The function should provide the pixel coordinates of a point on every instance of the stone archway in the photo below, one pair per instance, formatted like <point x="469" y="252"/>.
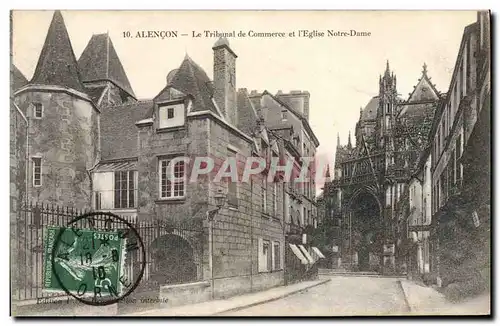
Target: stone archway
<point x="366" y="230"/>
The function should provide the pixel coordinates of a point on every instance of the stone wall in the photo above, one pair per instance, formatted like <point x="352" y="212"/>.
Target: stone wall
<point x="66" y="138"/>
<point x="237" y="229"/>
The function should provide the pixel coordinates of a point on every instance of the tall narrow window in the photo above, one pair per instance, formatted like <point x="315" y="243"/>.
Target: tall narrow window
<point x="124" y="189"/>
<point x="38" y="110"/>
<point x="37" y="171"/>
<point x="172" y="187"/>
<point x="170" y="113"/>
<point x="265" y="259"/>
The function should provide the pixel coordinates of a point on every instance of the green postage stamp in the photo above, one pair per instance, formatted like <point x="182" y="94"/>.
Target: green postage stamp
<point x="84" y="262"/>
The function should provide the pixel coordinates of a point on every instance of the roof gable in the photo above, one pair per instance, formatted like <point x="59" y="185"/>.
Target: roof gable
<point x="247" y="115"/>
<point x="424" y="90"/>
<point x="99" y="61"/>
<point x="57" y="63"/>
<point x="420" y="100"/>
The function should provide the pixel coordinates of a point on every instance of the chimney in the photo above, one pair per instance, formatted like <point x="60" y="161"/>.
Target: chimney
<point x="225" y="79"/>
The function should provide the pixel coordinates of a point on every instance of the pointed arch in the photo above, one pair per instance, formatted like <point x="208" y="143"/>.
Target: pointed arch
<point x="370" y="189"/>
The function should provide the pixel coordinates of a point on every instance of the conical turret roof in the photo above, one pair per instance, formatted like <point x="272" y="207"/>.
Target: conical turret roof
<point x="57" y="63"/>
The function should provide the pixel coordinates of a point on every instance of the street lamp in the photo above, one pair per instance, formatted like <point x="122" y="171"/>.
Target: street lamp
<point x="220" y="199"/>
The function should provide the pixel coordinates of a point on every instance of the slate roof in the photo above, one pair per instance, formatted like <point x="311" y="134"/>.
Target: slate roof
<point x="247" y="115"/>
<point x="118" y="129"/>
<point x="57" y="63"/>
<point x="95" y="93"/>
<point x="341" y="154"/>
<point x="99" y="61"/>
<point x="370" y="110"/>
<point x="17" y="78"/>
<point x="192" y="80"/>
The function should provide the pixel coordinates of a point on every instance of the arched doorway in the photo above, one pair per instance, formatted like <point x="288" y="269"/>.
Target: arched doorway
<point x="173" y="260"/>
<point x="366" y="231"/>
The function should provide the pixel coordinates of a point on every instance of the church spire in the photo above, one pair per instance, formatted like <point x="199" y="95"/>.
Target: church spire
<point x="387" y="70"/>
<point x="327" y="174"/>
<point x="424" y="69"/>
<point x="338" y="139"/>
<point x="349" y="144"/>
<point x="57" y="63"/>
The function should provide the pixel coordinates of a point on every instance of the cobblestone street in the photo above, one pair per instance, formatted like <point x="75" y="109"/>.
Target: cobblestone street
<point x="340" y="297"/>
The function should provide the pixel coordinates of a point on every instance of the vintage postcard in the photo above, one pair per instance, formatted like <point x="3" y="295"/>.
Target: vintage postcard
<point x="250" y="163"/>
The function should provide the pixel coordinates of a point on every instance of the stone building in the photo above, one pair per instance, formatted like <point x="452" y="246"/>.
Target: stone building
<point x="286" y="115"/>
<point x="370" y="177"/>
<point x="447" y="205"/>
<point x="460" y="166"/>
<point x="92" y="144"/>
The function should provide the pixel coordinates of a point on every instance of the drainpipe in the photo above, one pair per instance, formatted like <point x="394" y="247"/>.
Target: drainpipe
<point x="285" y="282"/>
<point x="27" y="151"/>
<point x="211" y="250"/>
<point x="251" y="237"/>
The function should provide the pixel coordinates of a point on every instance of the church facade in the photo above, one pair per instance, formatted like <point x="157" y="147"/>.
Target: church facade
<point x="371" y="175"/>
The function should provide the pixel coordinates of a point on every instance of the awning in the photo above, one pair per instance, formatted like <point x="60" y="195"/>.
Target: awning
<point x="306" y="253"/>
<point x="298" y="253"/>
<point x="116" y="166"/>
<point x="318" y="252"/>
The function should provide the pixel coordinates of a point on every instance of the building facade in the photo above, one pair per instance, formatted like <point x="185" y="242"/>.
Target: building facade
<point x="92" y="145"/>
<point x="447" y="208"/>
<point x="461" y="191"/>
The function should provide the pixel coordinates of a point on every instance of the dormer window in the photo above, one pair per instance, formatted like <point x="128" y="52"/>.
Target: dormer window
<point x="171" y="115"/>
<point x="37" y="110"/>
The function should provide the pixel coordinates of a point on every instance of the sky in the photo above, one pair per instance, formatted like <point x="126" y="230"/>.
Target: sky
<point x="340" y="73"/>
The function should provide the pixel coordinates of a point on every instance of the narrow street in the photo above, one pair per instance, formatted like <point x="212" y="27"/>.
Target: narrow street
<point x="342" y="296"/>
